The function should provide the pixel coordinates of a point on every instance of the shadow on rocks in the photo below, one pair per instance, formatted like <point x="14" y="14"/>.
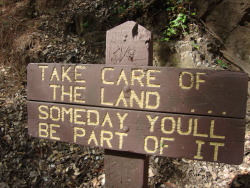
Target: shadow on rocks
<point x="241" y="181"/>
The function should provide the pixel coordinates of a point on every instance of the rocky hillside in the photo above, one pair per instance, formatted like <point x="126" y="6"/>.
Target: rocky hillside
<point x="210" y="34"/>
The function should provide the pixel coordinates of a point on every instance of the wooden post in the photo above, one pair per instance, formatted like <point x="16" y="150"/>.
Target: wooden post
<point x="127" y="44"/>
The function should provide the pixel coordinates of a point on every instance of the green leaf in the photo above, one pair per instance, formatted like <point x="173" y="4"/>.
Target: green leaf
<point x="184" y="26"/>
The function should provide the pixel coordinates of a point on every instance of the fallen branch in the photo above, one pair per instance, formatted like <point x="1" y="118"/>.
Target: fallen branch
<point x="237" y="62"/>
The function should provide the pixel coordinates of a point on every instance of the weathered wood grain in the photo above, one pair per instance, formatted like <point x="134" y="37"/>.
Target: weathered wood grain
<point x="129" y="44"/>
<point x="125" y="169"/>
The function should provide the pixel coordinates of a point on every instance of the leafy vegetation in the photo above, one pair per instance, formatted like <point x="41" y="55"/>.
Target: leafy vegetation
<point x="180" y="14"/>
<point x="195" y="46"/>
<point x="221" y="63"/>
<point x="85" y="24"/>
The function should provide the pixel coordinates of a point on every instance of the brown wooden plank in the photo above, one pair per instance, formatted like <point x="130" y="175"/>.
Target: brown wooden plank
<point x="126" y="169"/>
<point x="189" y="91"/>
<point x="171" y="135"/>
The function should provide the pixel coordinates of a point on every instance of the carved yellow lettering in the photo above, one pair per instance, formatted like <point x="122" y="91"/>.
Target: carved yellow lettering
<point x="121" y="135"/>
<point x="52" y="131"/>
<point x="198" y="155"/>
<point x="54" y="90"/>
<point x="162" y="145"/>
<point x="179" y="127"/>
<point x="137" y="77"/>
<point x="152" y="122"/>
<point x="47" y="130"/>
<point x="216" y="149"/>
<point x="122" y="99"/>
<point x="107" y="120"/>
<point x="155" y="143"/>
<point x="43" y="67"/>
<point x="43" y="130"/>
<point x="196" y="130"/>
<point x="151" y="78"/>
<point x="67" y="93"/>
<point x="93" y="138"/>
<point x="54" y="75"/>
<point x="172" y="125"/>
<point x="67" y="112"/>
<point x="134" y="97"/>
<point x="78" y="74"/>
<point x="78" y="132"/>
<point x="55" y="113"/>
<point x="65" y="74"/>
<point x="104" y="81"/>
<point x="199" y="80"/>
<point x="121" y="118"/>
<point x="123" y="77"/>
<point x="93" y="121"/>
<point x="102" y="99"/>
<point x="79" y="94"/>
<point x="106" y="136"/>
<point x="212" y="135"/>
<point x="191" y="80"/>
<point x="43" y="112"/>
<point x="78" y="116"/>
<point x="156" y="96"/>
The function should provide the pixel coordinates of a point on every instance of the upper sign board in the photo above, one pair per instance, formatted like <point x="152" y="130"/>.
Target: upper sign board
<point x="159" y="89"/>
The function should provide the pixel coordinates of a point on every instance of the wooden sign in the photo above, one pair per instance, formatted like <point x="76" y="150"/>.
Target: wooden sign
<point x="173" y="90"/>
<point x="192" y="113"/>
<point x="197" y="103"/>
<point x="171" y="135"/>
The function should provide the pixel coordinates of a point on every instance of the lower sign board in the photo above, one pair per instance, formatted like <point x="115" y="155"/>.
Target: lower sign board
<point x="206" y="138"/>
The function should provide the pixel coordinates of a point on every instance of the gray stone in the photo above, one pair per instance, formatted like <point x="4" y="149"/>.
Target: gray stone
<point x="226" y="16"/>
<point x="238" y="43"/>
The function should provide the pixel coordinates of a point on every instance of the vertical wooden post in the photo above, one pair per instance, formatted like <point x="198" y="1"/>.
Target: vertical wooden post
<point x="127" y="44"/>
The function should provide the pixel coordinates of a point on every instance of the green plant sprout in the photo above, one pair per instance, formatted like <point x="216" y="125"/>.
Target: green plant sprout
<point x="121" y="9"/>
<point x="180" y="15"/>
<point x="175" y="25"/>
<point x="85" y="24"/>
<point x="221" y="63"/>
<point x="195" y="46"/>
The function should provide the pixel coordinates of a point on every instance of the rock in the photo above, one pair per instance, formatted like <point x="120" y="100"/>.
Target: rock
<point x="238" y="43"/>
<point x="187" y="60"/>
<point x="162" y="54"/>
<point x="203" y="7"/>
<point x="150" y="173"/>
<point x="226" y="16"/>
